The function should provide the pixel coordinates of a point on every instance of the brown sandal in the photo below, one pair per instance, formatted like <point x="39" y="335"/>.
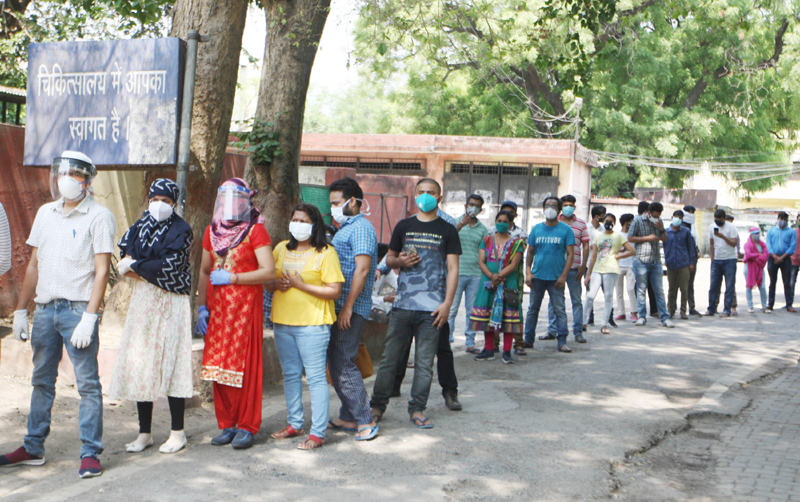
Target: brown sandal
<point x="288" y="432"/>
<point x="314" y="440"/>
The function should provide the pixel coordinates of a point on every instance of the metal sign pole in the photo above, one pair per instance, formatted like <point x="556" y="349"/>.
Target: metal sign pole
<point x="185" y="140"/>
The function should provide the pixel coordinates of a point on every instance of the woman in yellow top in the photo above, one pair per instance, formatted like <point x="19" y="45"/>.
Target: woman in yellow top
<point x="309" y="280"/>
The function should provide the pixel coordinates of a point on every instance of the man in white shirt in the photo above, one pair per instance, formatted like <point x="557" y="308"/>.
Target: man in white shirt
<point x="724" y="239"/>
<point x="72" y="240"/>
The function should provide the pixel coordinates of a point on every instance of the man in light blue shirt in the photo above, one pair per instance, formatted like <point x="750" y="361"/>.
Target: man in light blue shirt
<point x="781" y="244"/>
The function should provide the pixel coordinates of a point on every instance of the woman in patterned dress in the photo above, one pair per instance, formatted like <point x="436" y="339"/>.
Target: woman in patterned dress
<point x="230" y="311"/>
<point x="155" y="353"/>
<point x="498" y="305"/>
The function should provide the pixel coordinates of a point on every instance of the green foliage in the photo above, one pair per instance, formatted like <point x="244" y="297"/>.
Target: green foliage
<point x="260" y="140"/>
<point x="55" y="21"/>
<point x="659" y="78"/>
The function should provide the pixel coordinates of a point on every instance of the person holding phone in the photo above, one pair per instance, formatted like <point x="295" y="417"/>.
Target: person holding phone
<point x="498" y="305"/>
<point x="724" y="240"/>
<point x="426" y="249"/>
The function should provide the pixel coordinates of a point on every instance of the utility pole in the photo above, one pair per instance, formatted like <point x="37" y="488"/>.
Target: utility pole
<point x="185" y="139"/>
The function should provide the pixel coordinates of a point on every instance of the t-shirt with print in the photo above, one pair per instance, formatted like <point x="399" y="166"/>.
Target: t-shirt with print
<point x="607" y="248"/>
<point x="722" y="251"/>
<point x="550" y="247"/>
<point x="424" y="286"/>
<point x="581" y="231"/>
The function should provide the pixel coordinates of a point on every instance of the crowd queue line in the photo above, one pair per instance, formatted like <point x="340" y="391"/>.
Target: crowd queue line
<point x="322" y="286"/>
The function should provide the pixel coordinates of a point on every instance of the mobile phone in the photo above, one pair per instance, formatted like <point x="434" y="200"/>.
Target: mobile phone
<point x="487" y="284"/>
<point x="409" y="249"/>
<point x="716" y="230"/>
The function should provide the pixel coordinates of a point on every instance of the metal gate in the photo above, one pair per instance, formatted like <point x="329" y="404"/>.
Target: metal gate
<point x="526" y="184"/>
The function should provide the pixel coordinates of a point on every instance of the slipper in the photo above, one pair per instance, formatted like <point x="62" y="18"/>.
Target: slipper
<point x="547" y="337"/>
<point x="519" y="351"/>
<point x="318" y="442"/>
<point x="420" y="423"/>
<point x="604" y="330"/>
<point x="289" y="431"/>
<point x="473" y="350"/>
<point x="371" y="435"/>
<point x="564" y="348"/>
<point x="332" y="425"/>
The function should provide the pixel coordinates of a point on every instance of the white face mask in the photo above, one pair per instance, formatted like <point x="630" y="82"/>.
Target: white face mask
<point x="160" y="210"/>
<point x="337" y="213"/>
<point x="300" y="231"/>
<point x="689" y="218"/>
<point x="69" y="188"/>
<point x="550" y="213"/>
<point x="653" y="220"/>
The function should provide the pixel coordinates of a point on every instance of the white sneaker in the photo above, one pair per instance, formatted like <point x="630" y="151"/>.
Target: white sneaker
<point x="143" y="441"/>
<point x="641" y="322"/>
<point x="751" y="310"/>
<point x="668" y="324"/>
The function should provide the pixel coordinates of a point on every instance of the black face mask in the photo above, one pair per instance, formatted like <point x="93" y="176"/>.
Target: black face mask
<point x="609" y="225"/>
<point x="720" y="223"/>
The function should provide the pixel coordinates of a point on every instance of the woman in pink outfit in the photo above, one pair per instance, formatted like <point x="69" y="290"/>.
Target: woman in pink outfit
<point x="755" y="257"/>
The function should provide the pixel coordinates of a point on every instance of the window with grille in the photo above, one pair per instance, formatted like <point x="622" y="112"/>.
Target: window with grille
<point x="369" y="165"/>
<point x="516" y="169"/>
<point x="456" y="167"/>
<point x="544" y="169"/>
<point x="485" y="168"/>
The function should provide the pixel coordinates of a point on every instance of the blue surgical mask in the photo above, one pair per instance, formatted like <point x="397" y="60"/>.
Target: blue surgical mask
<point x="568" y="211"/>
<point x="501" y="227"/>
<point x="782" y="223"/>
<point x="676" y="222"/>
<point x="426" y="202"/>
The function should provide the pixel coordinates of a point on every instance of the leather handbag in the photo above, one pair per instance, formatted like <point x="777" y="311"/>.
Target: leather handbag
<point x="511" y="297"/>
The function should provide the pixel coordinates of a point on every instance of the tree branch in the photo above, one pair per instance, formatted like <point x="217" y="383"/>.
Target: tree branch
<point x="612" y="30"/>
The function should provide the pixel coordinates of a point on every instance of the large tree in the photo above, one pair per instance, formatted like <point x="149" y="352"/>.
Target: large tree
<point x="294" y="28"/>
<point x="658" y="78"/>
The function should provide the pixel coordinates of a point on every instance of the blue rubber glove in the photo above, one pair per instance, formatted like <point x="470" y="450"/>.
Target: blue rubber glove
<point x="202" y="320"/>
<point x="220" y="277"/>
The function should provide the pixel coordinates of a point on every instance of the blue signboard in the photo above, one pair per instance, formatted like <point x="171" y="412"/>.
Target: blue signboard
<point x="116" y="101"/>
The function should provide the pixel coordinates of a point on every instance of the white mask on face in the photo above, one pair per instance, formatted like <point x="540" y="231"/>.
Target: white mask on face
<point x="550" y="213"/>
<point x="653" y="220"/>
<point x="300" y="231"/>
<point x="689" y="218"/>
<point x="160" y="210"/>
<point x="70" y="188"/>
<point x="337" y="213"/>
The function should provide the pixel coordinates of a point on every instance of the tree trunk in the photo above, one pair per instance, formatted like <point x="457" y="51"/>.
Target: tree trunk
<point x="293" y="32"/>
<point x="215" y="87"/>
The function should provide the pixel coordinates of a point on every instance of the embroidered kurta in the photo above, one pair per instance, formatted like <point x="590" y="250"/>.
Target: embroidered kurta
<point x="236" y="312"/>
<point x="482" y="308"/>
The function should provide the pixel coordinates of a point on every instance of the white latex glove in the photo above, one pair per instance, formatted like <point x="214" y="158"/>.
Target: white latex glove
<point x="21" y="325"/>
<point x="124" y="265"/>
<point x="82" y="334"/>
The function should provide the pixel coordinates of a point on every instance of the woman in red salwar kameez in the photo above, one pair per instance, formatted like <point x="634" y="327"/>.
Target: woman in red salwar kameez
<point x="237" y="259"/>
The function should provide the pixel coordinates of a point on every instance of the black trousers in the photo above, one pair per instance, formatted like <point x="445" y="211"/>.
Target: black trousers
<point x="445" y="366"/>
<point x="785" y="268"/>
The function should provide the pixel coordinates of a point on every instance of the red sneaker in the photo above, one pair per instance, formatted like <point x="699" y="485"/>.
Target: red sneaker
<point x="634" y="317"/>
<point x="90" y="467"/>
<point x="20" y="457"/>
<point x="620" y="317"/>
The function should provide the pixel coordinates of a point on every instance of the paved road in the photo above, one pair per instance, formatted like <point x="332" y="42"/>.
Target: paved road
<point x="545" y="428"/>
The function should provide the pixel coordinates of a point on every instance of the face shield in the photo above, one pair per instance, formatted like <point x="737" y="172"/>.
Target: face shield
<point x="233" y="203"/>
<point x="70" y="175"/>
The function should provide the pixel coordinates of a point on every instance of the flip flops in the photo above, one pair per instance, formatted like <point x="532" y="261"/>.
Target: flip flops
<point x="332" y="425"/>
<point x="372" y="435"/>
<point x="420" y="423"/>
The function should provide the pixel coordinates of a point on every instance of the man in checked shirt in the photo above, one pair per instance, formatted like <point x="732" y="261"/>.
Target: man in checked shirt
<point x="645" y="233"/>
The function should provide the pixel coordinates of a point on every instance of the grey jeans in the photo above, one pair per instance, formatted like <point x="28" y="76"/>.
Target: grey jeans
<point x="403" y="325"/>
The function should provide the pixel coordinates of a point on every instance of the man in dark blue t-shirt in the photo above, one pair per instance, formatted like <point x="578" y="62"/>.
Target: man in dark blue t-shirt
<point x="551" y="248"/>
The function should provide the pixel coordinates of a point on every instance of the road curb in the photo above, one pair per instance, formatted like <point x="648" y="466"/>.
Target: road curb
<point x="719" y="400"/>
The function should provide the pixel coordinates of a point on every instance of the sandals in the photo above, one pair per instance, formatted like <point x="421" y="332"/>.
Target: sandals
<point x="564" y="348"/>
<point x="604" y="330"/>
<point x="332" y="425"/>
<point x="314" y="440"/>
<point x="473" y="350"/>
<point x="372" y="434"/>
<point x="547" y="337"/>
<point x="288" y="432"/>
<point x="420" y="423"/>
<point x="519" y="351"/>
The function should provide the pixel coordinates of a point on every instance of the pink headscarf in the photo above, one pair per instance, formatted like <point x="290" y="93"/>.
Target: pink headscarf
<point x="755" y="257"/>
<point x="227" y="234"/>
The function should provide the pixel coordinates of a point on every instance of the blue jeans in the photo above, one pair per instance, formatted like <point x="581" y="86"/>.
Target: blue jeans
<point x="556" y="301"/>
<point x="53" y="324"/>
<point x="403" y="326"/>
<point x="652" y="274"/>
<point x="749" y="292"/>
<point x="720" y="269"/>
<point x="575" y="287"/>
<point x="299" y="348"/>
<point x="468" y="284"/>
